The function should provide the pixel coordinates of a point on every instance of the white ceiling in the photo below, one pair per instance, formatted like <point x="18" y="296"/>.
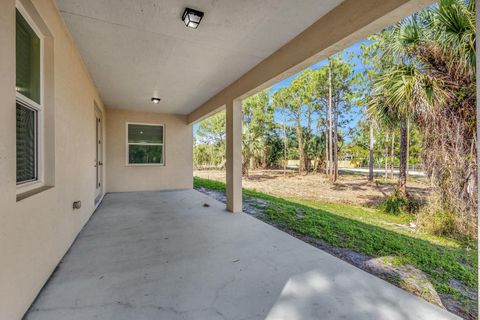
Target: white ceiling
<point x="136" y="49"/>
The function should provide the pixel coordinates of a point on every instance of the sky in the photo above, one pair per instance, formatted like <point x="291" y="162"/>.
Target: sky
<point x="353" y="50"/>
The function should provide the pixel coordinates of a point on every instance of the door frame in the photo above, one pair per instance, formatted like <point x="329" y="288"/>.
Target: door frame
<point x="99" y="161"/>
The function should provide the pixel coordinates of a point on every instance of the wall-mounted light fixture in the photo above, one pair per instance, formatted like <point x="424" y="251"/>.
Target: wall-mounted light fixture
<point x="192" y="18"/>
<point x="156" y="100"/>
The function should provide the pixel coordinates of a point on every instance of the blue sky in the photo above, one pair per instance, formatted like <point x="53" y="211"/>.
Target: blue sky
<point x="353" y="50"/>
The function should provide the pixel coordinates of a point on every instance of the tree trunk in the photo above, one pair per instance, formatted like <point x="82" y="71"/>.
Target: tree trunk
<point x="386" y="155"/>
<point x="335" y="146"/>
<point x="318" y="154"/>
<point x="246" y="164"/>
<point x="264" y="158"/>
<point x="370" y="158"/>
<point x="327" y="159"/>
<point x="393" y="154"/>
<point x="402" y="179"/>
<point x="301" y="151"/>
<point x="330" y="137"/>
<point x="306" y="157"/>
<point x="285" y="151"/>
<point x="408" y="146"/>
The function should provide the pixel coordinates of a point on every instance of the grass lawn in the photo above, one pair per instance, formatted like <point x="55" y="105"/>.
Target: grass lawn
<point x="372" y="232"/>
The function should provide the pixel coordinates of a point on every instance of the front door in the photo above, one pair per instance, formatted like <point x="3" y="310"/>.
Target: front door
<point x="98" y="155"/>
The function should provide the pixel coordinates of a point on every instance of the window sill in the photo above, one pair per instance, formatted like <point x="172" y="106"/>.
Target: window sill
<point x="145" y="165"/>
<point x="27" y="194"/>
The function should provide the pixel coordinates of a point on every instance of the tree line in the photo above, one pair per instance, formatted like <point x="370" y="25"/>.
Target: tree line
<point x="409" y="98"/>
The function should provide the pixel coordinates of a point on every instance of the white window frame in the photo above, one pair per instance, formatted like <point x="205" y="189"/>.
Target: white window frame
<point x="127" y="158"/>
<point x="39" y="112"/>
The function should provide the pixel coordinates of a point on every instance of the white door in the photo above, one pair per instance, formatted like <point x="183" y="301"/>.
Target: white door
<point x="98" y="155"/>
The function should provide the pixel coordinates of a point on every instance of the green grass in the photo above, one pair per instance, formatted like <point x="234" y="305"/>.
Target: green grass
<point x="374" y="233"/>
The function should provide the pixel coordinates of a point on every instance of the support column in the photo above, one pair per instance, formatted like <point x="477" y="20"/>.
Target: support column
<point x="234" y="156"/>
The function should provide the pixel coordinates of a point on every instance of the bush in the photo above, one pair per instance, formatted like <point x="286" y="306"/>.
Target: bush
<point x="397" y="204"/>
<point x="437" y="222"/>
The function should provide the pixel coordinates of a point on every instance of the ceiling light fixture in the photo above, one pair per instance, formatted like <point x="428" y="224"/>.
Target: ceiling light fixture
<point x="156" y="100"/>
<point x="192" y="18"/>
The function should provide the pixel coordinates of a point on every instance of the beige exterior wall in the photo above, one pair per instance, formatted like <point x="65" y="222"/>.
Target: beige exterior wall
<point x="177" y="172"/>
<point x="37" y="231"/>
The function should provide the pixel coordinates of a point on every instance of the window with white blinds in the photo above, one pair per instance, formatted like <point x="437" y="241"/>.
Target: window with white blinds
<point x="29" y="105"/>
<point x="26" y="144"/>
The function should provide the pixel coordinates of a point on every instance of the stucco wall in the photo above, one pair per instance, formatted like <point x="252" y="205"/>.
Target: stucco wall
<point x="36" y="232"/>
<point x="178" y="168"/>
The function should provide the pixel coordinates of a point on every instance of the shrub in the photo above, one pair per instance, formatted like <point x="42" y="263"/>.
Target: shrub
<point x="397" y="204"/>
<point x="437" y="221"/>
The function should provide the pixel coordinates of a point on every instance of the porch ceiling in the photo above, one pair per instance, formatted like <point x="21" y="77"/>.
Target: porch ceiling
<point x="138" y="49"/>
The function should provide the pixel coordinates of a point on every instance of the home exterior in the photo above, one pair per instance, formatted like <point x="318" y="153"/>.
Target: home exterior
<point x="73" y="131"/>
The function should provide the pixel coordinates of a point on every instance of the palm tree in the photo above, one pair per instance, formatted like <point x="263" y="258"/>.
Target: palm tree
<point x="404" y="88"/>
<point x="428" y="77"/>
<point x="398" y="94"/>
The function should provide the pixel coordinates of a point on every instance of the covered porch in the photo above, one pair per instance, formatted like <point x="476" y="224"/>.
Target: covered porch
<point x="101" y="68"/>
<point x="165" y="255"/>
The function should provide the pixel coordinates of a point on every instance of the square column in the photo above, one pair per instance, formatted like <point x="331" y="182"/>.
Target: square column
<point x="234" y="155"/>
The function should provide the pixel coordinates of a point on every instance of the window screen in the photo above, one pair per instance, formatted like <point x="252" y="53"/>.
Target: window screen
<point x="26" y="144"/>
<point x="145" y="144"/>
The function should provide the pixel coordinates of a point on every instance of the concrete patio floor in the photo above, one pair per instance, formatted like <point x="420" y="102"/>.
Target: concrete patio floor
<point x="163" y="255"/>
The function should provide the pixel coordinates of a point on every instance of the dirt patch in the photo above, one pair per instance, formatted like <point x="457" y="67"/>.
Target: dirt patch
<point x="406" y="277"/>
<point x="350" y="189"/>
<point x="253" y="206"/>
<point x="458" y="307"/>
